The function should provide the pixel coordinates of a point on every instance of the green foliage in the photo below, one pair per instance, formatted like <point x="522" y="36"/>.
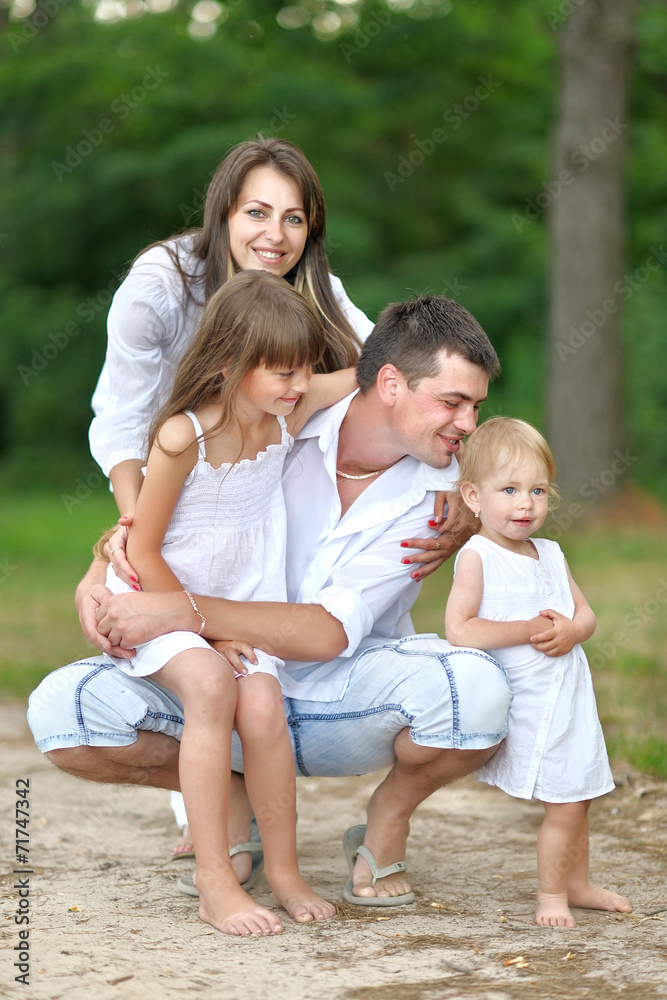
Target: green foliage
<point x="429" y="134"/>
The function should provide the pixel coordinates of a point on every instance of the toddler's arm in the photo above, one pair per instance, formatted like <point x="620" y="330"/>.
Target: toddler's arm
<point x="564" y="633"/>
<point x="463" y="627"/>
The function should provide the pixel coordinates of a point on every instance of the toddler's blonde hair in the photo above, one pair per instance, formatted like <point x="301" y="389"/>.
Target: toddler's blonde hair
<point x="503" y="442"/>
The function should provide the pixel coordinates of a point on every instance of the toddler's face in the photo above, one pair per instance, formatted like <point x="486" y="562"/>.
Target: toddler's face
<point x="512" y="504"/>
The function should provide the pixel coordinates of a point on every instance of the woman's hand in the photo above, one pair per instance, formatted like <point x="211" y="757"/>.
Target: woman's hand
<point x="114" y="548"/>
<point x="434" y="552"/>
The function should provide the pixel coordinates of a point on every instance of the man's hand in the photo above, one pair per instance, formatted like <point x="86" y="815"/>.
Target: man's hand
<point x="127" y="620"/>
<point x="559" y="636"/>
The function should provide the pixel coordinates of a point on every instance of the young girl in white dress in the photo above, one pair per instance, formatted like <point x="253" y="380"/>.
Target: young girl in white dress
<point x="210" y="521"/>
<point x="515" y="597"/>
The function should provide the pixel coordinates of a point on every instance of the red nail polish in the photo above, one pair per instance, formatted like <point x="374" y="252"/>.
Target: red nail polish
<point x="432" y="524"/>
<point x="415" y="576"/>
<point x="404" y="545"/>
<point x="405" y="561"/>
<point x="136" y="587"/>
<point x="134" y="579"/>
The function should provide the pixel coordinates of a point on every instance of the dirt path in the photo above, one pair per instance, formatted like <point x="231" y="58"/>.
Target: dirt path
<point x="106" y="920"/>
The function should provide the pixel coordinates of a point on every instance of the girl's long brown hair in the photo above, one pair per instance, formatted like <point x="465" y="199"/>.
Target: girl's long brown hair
<point x="255" y="318"/>
<point x="310" y="276"/>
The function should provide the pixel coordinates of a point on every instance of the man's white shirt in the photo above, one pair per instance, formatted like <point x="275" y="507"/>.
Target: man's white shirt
<point x="352" y="565"/>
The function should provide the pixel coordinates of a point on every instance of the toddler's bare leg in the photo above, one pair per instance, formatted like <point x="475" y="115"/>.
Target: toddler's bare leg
<point x="268" y="765"/>
<point x="206" y="685"/>
<point x="562" y="867"/>
<point x="582" y="892"/>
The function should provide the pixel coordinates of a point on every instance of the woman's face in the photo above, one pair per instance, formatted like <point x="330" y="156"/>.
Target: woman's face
<point x="268" y="227"/>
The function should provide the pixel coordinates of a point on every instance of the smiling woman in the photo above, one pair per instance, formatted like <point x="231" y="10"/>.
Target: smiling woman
<point x="264" y="210"/>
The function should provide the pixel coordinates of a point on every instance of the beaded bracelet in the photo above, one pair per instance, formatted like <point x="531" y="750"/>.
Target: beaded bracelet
<point x="196" y="611"/>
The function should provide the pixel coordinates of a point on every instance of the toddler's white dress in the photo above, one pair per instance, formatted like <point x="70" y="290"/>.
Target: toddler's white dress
<point x="555" y="749"/>
<point x="226" y="538"/>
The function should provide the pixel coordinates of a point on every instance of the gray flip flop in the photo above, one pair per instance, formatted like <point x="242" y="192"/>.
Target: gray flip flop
<point x="187" y="885"/>
<point x="353" y="845"/>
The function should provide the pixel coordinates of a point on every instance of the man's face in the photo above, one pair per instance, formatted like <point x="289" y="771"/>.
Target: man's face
<point x="432" y="419"/>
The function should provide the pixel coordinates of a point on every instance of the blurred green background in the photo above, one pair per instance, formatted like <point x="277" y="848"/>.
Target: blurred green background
<point x="115" y="114"/>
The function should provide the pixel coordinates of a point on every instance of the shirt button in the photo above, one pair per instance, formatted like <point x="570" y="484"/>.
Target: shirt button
<point x="547" y="716"/>
<point x="538" y="754"/>
<point x="558" y="676"/>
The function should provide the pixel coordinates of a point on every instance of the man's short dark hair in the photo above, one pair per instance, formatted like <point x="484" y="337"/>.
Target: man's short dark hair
<point x="412" y="335"/>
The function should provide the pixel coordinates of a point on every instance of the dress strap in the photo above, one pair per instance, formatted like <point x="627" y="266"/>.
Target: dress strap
<point x="285" y="436"/>
<point x="201" y="446"/>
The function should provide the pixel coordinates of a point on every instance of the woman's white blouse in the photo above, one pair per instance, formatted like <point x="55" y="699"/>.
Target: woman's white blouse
<point x="150" y="323"/>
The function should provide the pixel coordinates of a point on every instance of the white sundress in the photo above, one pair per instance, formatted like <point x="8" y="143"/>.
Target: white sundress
<point x="555" y="749"/>
<point x="226" y="538"/>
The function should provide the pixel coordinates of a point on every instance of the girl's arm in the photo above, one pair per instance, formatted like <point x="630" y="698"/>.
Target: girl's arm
<point x="463" y="627"/>
<point x="323" y="391"/>
<point x="165" y="475"/>
<point x="565" y="633"/>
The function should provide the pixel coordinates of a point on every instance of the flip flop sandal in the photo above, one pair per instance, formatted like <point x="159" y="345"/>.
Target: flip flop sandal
<point x="187" y="885"/>
<point x="353" y="845"/>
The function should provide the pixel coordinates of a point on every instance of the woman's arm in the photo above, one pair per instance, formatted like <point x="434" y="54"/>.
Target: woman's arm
<point x="323" y="391"/>
<point x="463" y="627"/>
<point x="126" y="481"/>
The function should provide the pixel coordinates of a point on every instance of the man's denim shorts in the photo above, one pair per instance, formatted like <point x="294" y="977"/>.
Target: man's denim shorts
<point x="448" y="698"/>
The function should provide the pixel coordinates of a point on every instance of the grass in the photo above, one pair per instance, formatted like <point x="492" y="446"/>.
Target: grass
<point x="44" y="550"/>
<point x="619" y="563"/>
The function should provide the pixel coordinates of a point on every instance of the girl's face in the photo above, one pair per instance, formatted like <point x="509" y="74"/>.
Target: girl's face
<point x="268" y="227"/>
<point x="511" y="504"/>
<point x="273" y="390"/>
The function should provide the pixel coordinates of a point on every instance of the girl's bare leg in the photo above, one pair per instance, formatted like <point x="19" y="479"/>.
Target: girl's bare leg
<point x="206" y="685"/>
<point x="268" y="764"/>
<point x="562" y="867"/>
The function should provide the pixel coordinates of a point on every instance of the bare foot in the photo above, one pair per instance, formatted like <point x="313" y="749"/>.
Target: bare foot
<point x="552" y="910"/>
<point x="302" y="904"/>
<point x="185" y="847"/>
<point x="594" y="897"/>
<point x="224" y="905"/>
<point x="387" y="842"/>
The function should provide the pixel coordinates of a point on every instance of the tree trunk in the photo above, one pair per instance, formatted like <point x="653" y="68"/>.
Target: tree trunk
<point x="587" y="234"/>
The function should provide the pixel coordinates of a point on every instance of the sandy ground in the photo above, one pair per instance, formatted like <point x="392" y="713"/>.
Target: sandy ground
<point x="106" y="920"/>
